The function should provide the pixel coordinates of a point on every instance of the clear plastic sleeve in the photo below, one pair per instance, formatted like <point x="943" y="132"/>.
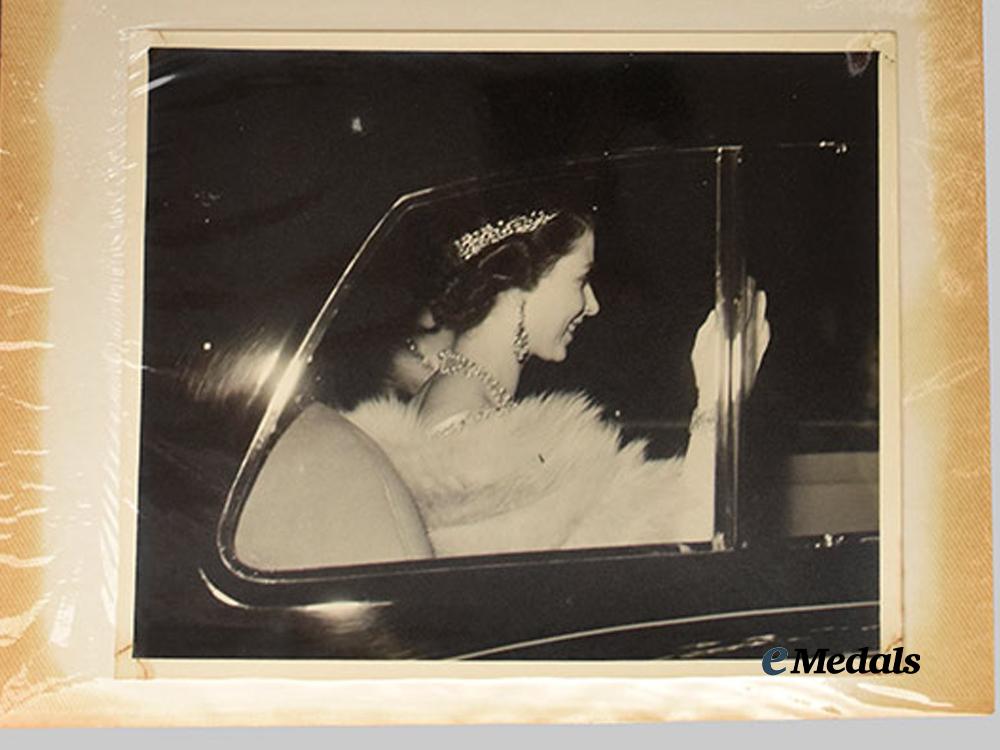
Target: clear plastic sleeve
<point x="286" y="306"/>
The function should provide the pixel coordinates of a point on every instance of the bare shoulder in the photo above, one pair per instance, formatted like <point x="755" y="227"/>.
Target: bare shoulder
<point x="447" y="396"/>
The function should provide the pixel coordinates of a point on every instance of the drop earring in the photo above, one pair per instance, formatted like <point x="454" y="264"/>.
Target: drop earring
<point x="521" y="337"/>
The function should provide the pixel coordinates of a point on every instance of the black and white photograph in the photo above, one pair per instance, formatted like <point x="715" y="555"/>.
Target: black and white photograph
<point x="509" y="355"/>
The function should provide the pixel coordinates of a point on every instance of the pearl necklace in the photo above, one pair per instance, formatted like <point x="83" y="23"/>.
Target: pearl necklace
<point x="454" y="363"/>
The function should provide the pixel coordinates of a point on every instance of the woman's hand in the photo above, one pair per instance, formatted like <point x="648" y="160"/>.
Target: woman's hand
<point x="753" y="334"/>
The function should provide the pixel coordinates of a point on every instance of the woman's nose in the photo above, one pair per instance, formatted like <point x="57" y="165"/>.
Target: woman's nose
<point x="592" y="306"/>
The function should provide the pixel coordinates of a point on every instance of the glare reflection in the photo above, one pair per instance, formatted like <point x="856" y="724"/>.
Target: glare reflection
<point x="242" y="372"/>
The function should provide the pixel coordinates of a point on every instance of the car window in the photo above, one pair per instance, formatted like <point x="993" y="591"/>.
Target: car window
<point x="678" y="232"/>
<point x="811" y="434"/>
<point x="656" y="218"/>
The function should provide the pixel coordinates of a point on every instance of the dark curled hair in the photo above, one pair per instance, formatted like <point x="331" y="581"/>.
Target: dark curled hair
<point x="469" y="288"/>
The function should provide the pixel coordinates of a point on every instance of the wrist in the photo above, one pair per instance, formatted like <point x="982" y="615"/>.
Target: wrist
<point x="704" y="416"/>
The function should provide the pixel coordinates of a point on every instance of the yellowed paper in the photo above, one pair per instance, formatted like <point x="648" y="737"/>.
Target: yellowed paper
<point x="71" y="349"/>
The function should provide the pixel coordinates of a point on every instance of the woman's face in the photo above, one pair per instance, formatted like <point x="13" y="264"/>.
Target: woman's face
<point x="560" y="301"/>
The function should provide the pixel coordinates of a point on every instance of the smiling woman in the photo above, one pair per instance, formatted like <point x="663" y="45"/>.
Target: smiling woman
<point x="514" y="288"/>
<point x="492" y="474"/>
<point x="474" y="469"/>
<point x="450" y="302"/>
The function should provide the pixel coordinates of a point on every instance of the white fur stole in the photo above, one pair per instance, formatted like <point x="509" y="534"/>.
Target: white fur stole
<point x="548" y="473"/>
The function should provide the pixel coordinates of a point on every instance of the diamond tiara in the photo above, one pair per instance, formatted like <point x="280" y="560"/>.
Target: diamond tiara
<point x="470" y="244"/>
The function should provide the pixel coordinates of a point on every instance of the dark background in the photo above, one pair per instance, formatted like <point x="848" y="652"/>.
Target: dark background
<point x="266" y="170"/>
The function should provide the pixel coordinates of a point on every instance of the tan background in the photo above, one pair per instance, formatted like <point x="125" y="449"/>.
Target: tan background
<point x="65" y="353"/>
